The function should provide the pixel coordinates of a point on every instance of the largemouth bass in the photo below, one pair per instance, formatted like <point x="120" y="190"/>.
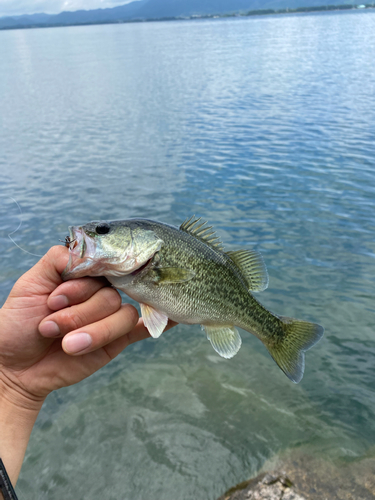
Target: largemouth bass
<point x="185" y="275"/>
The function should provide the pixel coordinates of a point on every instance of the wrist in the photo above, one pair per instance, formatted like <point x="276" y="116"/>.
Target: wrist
<point x="18" y="414"/>
<point x="14" y="396"/>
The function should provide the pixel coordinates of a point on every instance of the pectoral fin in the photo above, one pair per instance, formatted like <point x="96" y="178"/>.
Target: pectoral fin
<point x="155" y="321"/>
<point x="166" y="275"/>
<point x="224" y="339"/>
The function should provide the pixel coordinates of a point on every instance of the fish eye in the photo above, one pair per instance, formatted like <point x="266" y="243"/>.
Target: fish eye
<point x="102" y="228"/>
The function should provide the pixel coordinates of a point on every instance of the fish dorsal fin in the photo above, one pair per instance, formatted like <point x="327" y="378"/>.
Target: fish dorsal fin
<point x="154" y="320"/>
<point x="252" y="267"/>
<point x="224" y="339"/>
<point x="198" y="229"/>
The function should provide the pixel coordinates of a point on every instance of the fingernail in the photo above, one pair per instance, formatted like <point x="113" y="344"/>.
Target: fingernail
<point x="58" y="302"/>
<point x="49" y="329"/>
<point x="77" y="342"/>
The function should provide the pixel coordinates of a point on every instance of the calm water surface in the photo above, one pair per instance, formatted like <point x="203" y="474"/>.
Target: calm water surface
<point x="266" y="128"/>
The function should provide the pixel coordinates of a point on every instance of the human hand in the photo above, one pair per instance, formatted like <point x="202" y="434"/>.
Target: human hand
<point x="43" y="326"/>
<point x="54" y="334"/>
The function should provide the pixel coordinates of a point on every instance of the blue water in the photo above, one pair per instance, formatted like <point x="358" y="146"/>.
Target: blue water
<point x="266" y="128"/>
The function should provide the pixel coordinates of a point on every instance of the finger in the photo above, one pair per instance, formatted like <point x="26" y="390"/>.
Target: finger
<point x="74" y="292"/>
<point x="99" y="334"/>
<point x="138" y="333"/>
<point x="72" y="369"/>
<point x="103" y="303"/>
<point x="45" y="276"/>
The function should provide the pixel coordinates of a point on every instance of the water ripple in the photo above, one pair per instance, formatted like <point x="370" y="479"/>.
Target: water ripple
<point x="263" y="126"/>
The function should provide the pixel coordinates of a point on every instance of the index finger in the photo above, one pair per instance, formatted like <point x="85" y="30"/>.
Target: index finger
<point x="75" y="292"/>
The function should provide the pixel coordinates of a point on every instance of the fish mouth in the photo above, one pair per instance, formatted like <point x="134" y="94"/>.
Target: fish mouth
<point x="81" y="253"/>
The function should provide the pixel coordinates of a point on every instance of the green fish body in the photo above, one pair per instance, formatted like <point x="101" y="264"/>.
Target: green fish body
<point x="183" y="274"/>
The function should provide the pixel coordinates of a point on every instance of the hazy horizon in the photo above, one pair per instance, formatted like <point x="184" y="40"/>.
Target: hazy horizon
<point x="10" y="8"/>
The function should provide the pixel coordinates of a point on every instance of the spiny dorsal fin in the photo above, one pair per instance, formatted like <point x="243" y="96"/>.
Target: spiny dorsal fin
<point x="252" y="267"/>
<point x="201" y="232"/>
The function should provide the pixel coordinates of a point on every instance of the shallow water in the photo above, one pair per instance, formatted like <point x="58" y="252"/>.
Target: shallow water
<point x="266" y="128"/>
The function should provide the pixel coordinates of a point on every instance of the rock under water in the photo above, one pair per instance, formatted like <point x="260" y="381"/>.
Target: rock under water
<point x="300" y="476"/>
<point x="264" y="487"/>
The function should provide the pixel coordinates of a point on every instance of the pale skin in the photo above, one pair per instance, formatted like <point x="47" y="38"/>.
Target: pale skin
<point x="52" y="335"/>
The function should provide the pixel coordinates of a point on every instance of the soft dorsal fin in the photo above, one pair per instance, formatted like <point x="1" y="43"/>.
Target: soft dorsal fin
<point x="252" y="267"/>
<point x="201" y="232"/>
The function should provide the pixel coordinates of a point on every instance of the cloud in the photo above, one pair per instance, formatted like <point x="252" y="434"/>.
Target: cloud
<point x="20" y="7"/>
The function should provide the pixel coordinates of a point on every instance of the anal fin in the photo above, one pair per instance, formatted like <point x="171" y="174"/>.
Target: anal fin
<point x="154" y="320"/>
<point x="224" y="339"/>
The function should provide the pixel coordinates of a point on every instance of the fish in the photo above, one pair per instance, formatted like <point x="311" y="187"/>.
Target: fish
<point x="184" y="274"/>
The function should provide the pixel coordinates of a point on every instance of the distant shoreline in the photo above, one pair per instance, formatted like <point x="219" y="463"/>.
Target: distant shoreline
<point x="264" y="12"/>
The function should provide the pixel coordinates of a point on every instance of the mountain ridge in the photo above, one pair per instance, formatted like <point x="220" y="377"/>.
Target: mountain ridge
<point x="143" y="10"/>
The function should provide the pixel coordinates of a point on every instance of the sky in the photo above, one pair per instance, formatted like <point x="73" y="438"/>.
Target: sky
<point x="19" y="7"/>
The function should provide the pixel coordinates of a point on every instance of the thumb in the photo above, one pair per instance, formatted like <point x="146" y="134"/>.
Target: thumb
<point x="45" y="276"/>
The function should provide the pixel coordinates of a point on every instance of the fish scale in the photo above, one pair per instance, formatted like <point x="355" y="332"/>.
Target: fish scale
<point x="184" y="274"/>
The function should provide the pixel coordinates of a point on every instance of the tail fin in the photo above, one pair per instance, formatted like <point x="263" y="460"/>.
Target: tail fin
<point x="289" y="354"/>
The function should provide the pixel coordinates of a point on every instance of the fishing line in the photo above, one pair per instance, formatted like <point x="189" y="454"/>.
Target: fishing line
<point x="19" y="226"/>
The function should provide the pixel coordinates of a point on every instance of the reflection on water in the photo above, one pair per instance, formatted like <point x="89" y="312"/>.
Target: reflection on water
<point x="266" y="128"/>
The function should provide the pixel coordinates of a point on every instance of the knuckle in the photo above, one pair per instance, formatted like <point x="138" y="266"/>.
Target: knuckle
<point x="105" y="334"/>
<point x="131" y="313"/>
<point x="79" y="290"/>
<point x="70" y="320"/>
<point x="111" y="299"/>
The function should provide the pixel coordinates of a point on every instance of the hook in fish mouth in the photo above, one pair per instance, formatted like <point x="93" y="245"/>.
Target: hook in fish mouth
<point x="79" y="259"/>
<point x="76" y="239"/>
<point x="69" y="242"/>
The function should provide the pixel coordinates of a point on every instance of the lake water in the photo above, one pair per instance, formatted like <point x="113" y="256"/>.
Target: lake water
<point x="266" y="128"/>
